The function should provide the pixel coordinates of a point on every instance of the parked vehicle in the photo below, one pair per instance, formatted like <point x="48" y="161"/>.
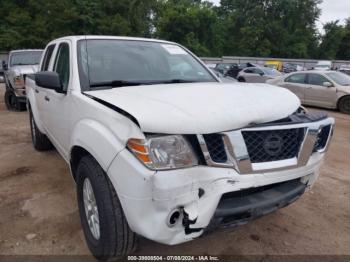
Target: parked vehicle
<point x="167" y="154"/>
<point x="235" y="69"/>
<point x="290" y="68"/>
<point x="223" y="78"/>
<point x="278" y="65"/>
<point x="323" y="65"/>
<point x="345" y="69"/>
<point x="222" y="68"/>
<point x="257" y="74"/>
<point x="328" y="89"/>
<point x="211" y="66"/>
<point x="21" y="63"/>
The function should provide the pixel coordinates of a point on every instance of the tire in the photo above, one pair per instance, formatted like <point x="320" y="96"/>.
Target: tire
<point x="11" y="101"/>
<point x="241" y="79"/>
<point x="40" y="140"/>
<point x="344" y="105"/>
<point x="22" y="106"/>
<point x="114" y="237"/>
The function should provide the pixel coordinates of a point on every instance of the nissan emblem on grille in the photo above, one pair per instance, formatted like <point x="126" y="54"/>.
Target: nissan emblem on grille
<point x="273" y="144"/>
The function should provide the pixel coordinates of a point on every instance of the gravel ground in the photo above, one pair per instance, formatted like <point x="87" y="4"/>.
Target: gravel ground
<point x="39" y="214"/>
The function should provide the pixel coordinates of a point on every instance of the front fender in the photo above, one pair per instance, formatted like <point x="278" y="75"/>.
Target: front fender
<point x="98" y="140"/>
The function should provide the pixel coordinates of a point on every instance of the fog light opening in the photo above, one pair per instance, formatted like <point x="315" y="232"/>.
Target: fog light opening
<point x="174" y="217"/>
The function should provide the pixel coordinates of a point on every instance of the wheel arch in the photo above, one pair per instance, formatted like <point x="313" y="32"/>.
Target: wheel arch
<point x="90" y="137"/>
<point x="34" y="110"/>
<point x="340" y="99"/>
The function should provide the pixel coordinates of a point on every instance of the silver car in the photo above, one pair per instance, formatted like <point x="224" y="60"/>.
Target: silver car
<point x="257" y="74"/>
<point x="328" y="89"/>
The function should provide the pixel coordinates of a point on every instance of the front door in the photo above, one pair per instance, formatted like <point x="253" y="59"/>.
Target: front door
<point x="317" y="94"/>
<point x="58" y="105"/>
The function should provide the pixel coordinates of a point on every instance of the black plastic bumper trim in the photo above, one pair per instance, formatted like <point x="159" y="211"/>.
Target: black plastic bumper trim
<point x="238" y="208"/>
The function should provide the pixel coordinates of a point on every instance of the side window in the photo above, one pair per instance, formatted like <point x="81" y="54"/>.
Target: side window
<point x="47" y="58"/>
<point x="257" y="71"/>
<point x="249" y="71"/>
<point x="296" y="78"/>
<point x="316" y="79"/>
<point x="62" y="64"/>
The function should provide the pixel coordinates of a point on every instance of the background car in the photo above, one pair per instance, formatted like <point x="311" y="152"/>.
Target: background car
<point x="257" y="74"/>
<point x="234" y="70"/>
<point x="274" y="64"/>
<point x="224" y="67"/>
<point x="290" y="67"/>
<point x="345" y="69"/>
<point x="224" y="78"/>
<point x="328" y="89"/>
<point x="323" y="65"/>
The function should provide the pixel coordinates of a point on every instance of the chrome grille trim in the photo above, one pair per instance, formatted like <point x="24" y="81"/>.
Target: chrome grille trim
<point x="238" y="157"/>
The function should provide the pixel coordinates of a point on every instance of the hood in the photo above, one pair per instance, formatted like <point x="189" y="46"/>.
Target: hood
<point x="201" y="108"/>
<point x="25" y="69"/>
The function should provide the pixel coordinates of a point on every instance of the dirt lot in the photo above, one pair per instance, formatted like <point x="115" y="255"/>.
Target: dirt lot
<point x="39" y="211"/>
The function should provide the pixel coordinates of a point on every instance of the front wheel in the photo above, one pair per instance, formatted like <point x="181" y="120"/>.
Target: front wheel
<point x="106" y="230"/>
<point x="344" y="105"/>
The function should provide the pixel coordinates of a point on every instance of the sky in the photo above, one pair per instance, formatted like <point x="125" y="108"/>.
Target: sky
<point x="331" y="10"/>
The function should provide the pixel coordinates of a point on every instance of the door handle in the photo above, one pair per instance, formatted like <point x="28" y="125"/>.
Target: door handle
<point x="36" y="91"/>
<point x="47" y="98"/>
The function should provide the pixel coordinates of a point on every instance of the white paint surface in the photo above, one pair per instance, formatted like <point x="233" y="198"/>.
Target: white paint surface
<point x="201" y="108"/>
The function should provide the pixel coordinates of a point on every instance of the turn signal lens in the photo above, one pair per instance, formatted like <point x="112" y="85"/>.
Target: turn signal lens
<point x="137" y="145"/>
<point x="18" y="81"/>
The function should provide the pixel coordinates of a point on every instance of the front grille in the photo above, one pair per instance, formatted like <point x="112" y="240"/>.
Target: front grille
<point x="273" y="145"/>
<point x="216" y="148"/>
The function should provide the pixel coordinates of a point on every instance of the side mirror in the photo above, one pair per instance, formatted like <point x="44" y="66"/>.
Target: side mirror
<point x="49" y="80"/>
<point x="327" y="84"/>
<point x="4" y="65"/>
<point x="261" y="74"/>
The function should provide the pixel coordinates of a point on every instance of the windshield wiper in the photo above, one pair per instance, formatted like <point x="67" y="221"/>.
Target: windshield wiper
<point x="121" y="83"/>
<point x="176" y="81"/>
<point x="117" y="83"/>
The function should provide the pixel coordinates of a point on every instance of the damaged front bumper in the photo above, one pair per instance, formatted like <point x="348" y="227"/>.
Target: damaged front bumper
<point x="176" y="206"/>
<point x="150" y="198"/>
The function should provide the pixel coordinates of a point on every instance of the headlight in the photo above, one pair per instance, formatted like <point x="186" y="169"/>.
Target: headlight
<point x="163" y="152"/>
<point x="18" y="81"/>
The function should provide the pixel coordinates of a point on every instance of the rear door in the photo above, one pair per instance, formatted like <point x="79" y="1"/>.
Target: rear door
<point x="317" y="94"/>
<point x="251" y="75"/>
<point x="58" y="106"/>
<point x="296" y="83"/>
<point x="259" y="76"/>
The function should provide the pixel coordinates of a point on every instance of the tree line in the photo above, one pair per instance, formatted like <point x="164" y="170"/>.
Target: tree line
<point x="267" y="28"/>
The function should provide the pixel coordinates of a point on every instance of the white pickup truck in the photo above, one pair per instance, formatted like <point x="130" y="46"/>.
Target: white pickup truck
<point x="160" y="148"/>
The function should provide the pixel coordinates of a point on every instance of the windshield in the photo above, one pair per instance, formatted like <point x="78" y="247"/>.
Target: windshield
<point x="25" y="58"/>
<point x="322" y="66"/>
<point x="110" y="63"/>
<point x="339" y="78"/>
<point x="270" y="71"/>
